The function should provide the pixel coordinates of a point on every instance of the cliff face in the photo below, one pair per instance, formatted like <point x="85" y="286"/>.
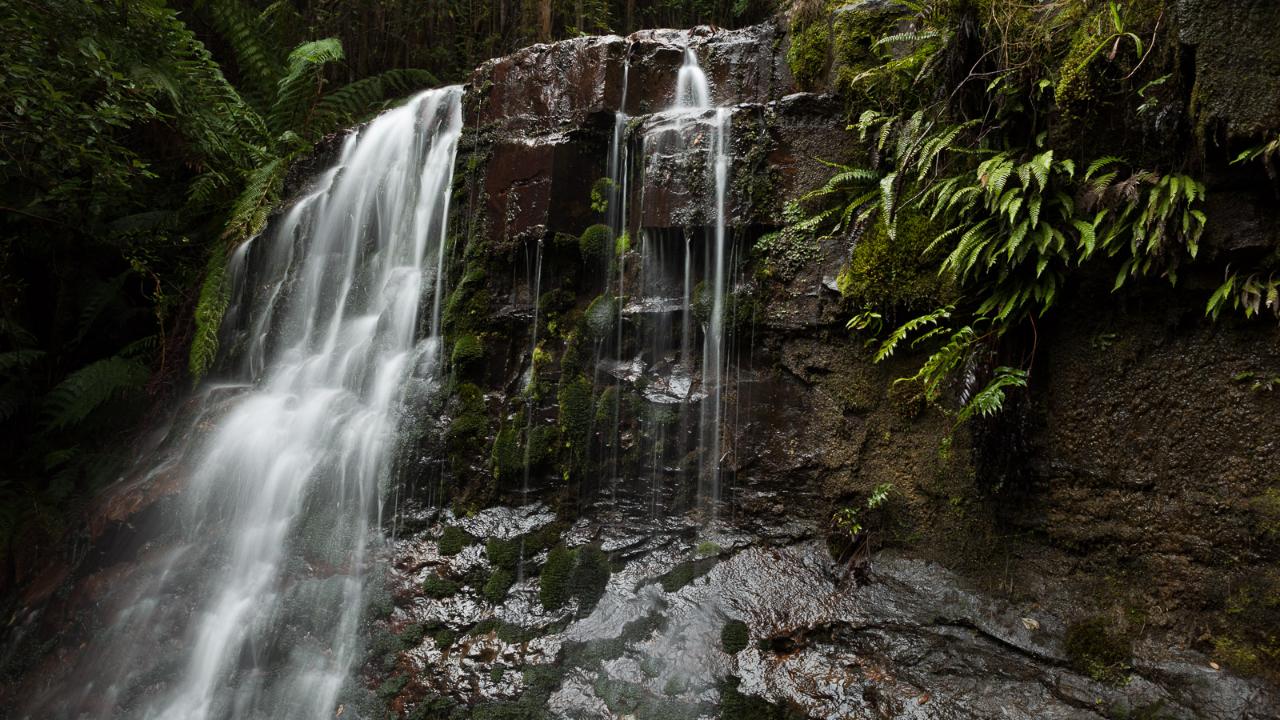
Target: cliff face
<point x="1094" y="551"/>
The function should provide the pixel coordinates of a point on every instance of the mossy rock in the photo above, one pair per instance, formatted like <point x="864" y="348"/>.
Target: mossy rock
<point x="411" y="636"/>
<point x="594" y="242"/>
<point x="577" y="353"/>
<point x="507" y="455"/>
<point x="453" y="539"/>
<point x="734" y="637"/>
<point x="895" y="273"/>
<point x="1098" y="649"/>
<point x="503" y="554"/>
<point x="439" y="588"/>
<point x="577" y="409"/>
<point x="553" y="588"/>
<point x="809" y="53"/>
<point x="468" y="354"/>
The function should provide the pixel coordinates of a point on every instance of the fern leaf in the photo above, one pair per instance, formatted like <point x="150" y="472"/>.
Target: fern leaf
<point x="88" y="388"/>
<point x="214" y="296"/>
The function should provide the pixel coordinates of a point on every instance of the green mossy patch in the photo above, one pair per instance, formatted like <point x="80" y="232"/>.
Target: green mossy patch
<point x="686" y="572"/>
<point x="553" y="588"/>
<point x="1099" y="649"/>
<point x="809" y="53"/>
<point x="895" y="273"/>
<point x="734" y="637"/>
<point x="590" y="577"/>
<point x="453" y="539"/>
<point x="601" y="316"/>
<point x="439" y="588"/>
<point x="468" y="354"/>
<point x="498" y="585"/>
<point x="595" y="242"/>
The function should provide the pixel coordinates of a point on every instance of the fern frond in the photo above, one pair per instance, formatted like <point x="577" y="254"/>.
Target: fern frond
<point x="299" y="90"/>
<point x="215" y="294"/>
<point x="990" y="400"/>
<point x="88" y="388"/>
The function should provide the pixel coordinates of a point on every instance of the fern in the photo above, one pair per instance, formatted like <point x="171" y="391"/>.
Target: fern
<point x="352" y="101"/>
<point x="298" y="91"/>
<point x="88" y="388"/>
<point x="212" y="305"/>
<point x="990" y="400"/>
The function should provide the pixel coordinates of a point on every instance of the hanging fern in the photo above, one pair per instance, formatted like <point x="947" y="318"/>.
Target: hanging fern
<point x="990" y="400"/>
<point x="214" y="296"/>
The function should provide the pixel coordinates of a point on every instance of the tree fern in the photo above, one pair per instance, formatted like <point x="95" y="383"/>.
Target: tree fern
<point x="299" y="89"/>
<point x="352" y="101"/>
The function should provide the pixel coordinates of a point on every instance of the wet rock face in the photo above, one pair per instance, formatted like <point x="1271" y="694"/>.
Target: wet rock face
<point x="908" y="640"/>
<point x="1237" y="63"/>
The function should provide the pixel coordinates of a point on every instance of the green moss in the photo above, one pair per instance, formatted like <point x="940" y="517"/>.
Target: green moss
<point x="507" y="456"/>
<point x="577" y="354"/>
<point x="468" y="354"/>
<point x="734" y="637"/>
<point x="469" y="424"/>
<point x="622" y="245"/>
<point x="445" y="638"/>
<point x="411" y="636"/>
<point x="736" y="706"/>
<point x="576" y="412"/>
<point x="470" y="305"/>
<point x="685" y="573"/>
<point x="595" y="242"/>
<point x="706" y="548"/>
<point x="894" y="273"/>
<point x="543" y="441"/>
<point x="809" y="52"/>
<point x="392" y="686"/>
<point x="438" y="587"/>
<point x="504" y="554"/>
<point x="1098" y="649"/>
<point x="453" y="539"/>
<point x="601" y="316"/>
<point x="499" y="584"/>
<point x="607" y="406"/>
<point x="553" y="303"/>
<point x="553" y="588"/>
<point x="590" y="577"/>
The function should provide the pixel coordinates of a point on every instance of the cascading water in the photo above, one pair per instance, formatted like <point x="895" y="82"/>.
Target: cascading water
<point x="253" y="610"/>
<point x="687" y="283"/>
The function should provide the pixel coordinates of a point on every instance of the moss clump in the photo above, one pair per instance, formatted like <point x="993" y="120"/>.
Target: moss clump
<point x="576" y="355"/>
<point x="470" y="304"/>
<point x="503" y="554"/>
<point x="607" y="406"/>
<point x="595" y="242"/>
<point x="412" y="635"/>
<point x="601" y="316"/>
<point x="507" y="456"/>
<point x="736" y="706"/>
<point x="439" y="588"/>
<point x="467" y="428"/>
<point x="807" y="57"/>
<point x="468" y="354"/>
<point x="894" y="273"/>
<point x="453" y="539"/>
<point x="685" y="573"/>
<point x="445" y="638"/>
<point x="553" y="588"/>
<point x="499" y="584"/>
<point x="590" y="577"/>
<point x="553" y="303"/>
<point x="392" y="686"/>
<point x="576" y="412"/>
<point x="1098" y="650"/>
<point x="622" y="245"/>
<point x="706" y="548"/>
<point x="734" y="637"/>
<point x="543" y="441"/>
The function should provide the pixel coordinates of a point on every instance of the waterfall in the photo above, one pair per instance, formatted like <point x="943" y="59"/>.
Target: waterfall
<point x="680" y="304"/>
<point x="253" y="608"/>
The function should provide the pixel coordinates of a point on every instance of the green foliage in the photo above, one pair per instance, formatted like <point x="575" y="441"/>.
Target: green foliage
<point x="789" y="250"/>
<point x="685" y="573"/>
<point x="1250" y="294"/>
<point x="453" y="539"/>
<point x="600" y="191"/>
<point x="88" y="388"/>
<point x="553" y="588"/>
<point x="847" y="520"/>
<point x="577" y="408"/>
<point x="990" y="400"/>
<point x="734" y="637"/>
